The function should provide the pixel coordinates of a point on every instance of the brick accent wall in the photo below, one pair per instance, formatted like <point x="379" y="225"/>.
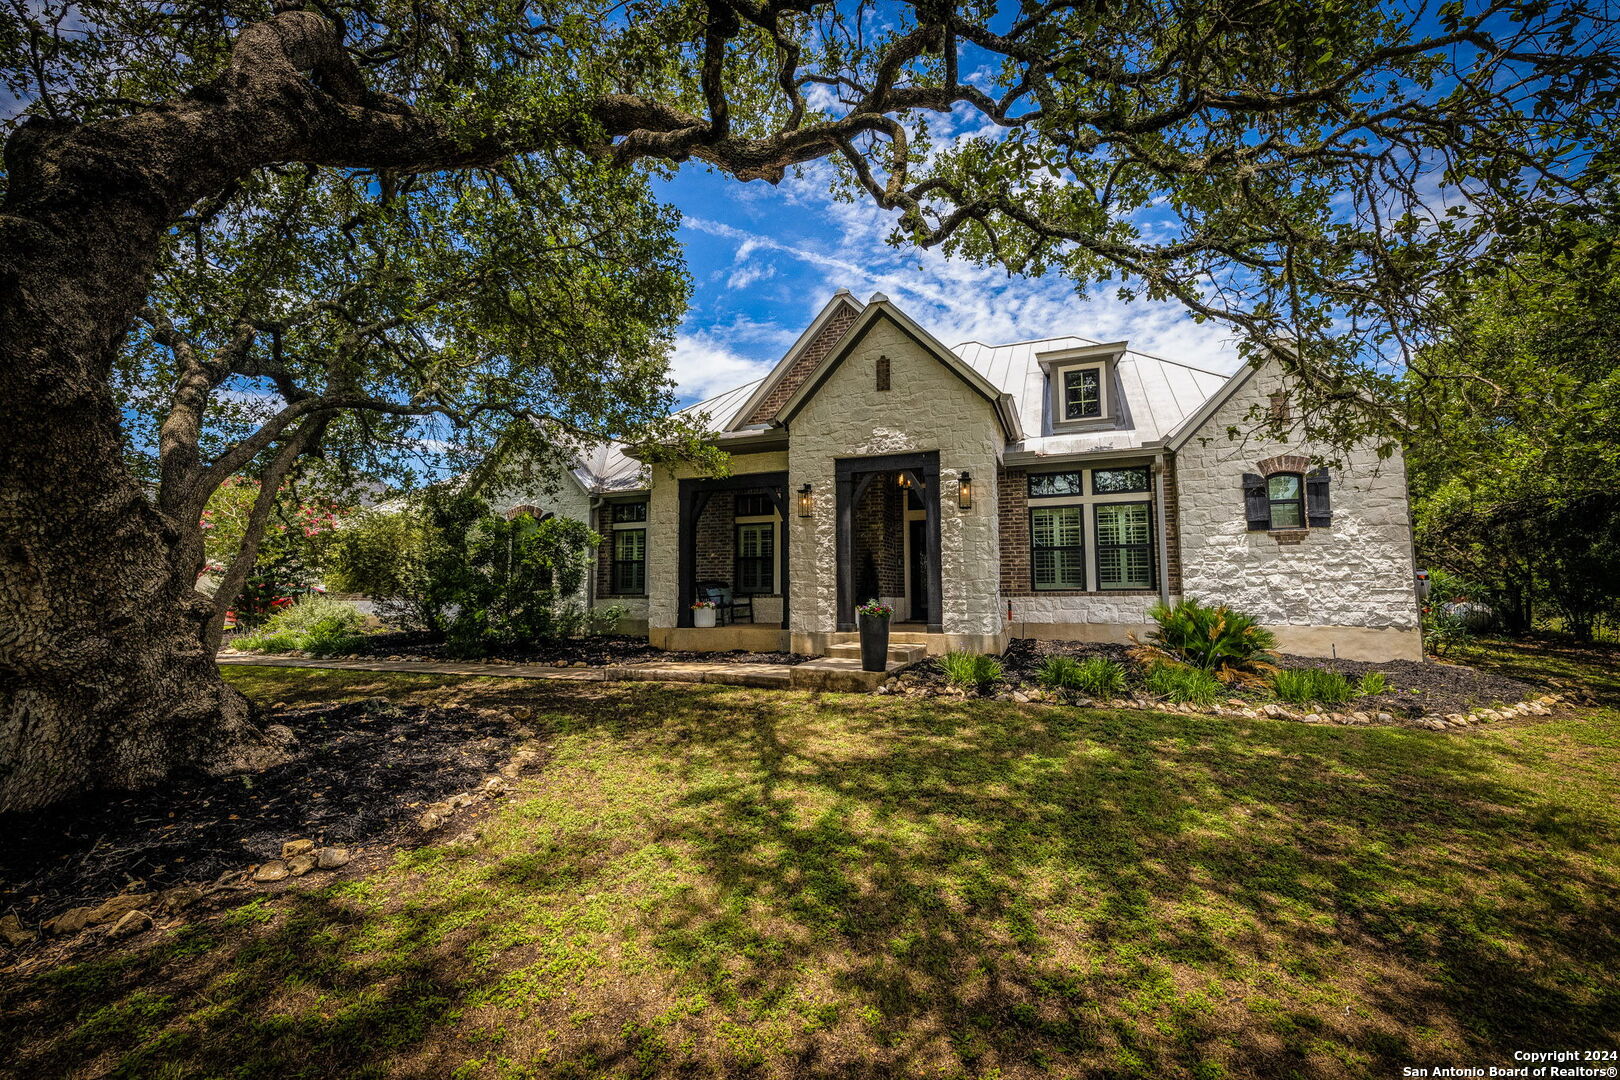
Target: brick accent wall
<point x="1012" y="504"/>
<point x="840" y="321"/>
<point x="603" y="524"/>
<point x="877" y="528"/>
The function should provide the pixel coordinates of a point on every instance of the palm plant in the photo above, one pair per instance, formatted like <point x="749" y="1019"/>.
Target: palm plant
<point x="1228" y="644"/>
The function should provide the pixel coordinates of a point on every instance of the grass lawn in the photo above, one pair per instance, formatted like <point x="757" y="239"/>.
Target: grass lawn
<point x="709" y="880"/>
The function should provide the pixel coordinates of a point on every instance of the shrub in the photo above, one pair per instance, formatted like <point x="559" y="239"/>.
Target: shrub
<point x="1228" y="644"/>
<point x="1301" y="686"/>
<point x="317" y="624"/>
<point x="1443" y="633"/>
<point x="1096" y="676"/>
<point x="1183" y="684"/>
<point x="971" y="671"/>
<point x="1373" y="683"/>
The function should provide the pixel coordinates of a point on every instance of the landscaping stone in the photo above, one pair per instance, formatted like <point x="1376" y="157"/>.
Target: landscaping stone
<point x="12" y="929"/>
<point x="330" y="858"/>
<point x="274" y="870"/>
<point x="296" y="847"/>
<point x="299" y="865"/>
<point x="132" y="923"/>
<point x="181" y="897"/>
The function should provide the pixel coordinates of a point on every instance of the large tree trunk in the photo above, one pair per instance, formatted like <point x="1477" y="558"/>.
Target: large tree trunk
<point x="104" y="679"/>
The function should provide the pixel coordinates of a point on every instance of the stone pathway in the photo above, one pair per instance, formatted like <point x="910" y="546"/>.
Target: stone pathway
<point x="765" y="675"/>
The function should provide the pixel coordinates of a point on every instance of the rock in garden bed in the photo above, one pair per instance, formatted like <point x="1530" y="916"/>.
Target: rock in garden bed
<point x="1431" y="688"/>
<point x="363" y="770"/>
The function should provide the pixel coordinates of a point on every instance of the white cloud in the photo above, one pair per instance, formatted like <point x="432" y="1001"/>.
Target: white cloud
<point x="744" y="276"/>
<point x="703" y="367"/>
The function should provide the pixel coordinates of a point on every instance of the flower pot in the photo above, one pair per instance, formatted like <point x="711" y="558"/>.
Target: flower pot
<point x="703" y="616"/>
<point x="874" y="642"/>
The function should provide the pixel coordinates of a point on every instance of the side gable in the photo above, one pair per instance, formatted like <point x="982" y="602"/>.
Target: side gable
<point x="818" y="339"/>
<point x="879" y="307"/>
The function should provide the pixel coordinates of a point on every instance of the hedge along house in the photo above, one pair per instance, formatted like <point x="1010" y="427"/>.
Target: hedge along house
<point x="1049" y="489"/>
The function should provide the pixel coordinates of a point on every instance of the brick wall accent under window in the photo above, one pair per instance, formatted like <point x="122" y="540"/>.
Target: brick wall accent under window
<point x="1012" y="504"/>
<point x="840" y="321"/>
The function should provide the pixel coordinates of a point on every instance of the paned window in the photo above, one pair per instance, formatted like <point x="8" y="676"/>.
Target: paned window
<point x="1119" y="481"/>
<point x="1286" y="493"/>
<point x="1057" y="540"/>
<point x="1047" y="485"/>
<point x="756" y="557"/>
<point x="1082" y="393"/>
<point x="1124" y="546"/>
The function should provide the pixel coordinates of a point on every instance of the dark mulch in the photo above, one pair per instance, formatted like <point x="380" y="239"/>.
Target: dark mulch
<point x="360" y="766"/>
<point x="1432" y="687"/>
<point x="595" y="651"/>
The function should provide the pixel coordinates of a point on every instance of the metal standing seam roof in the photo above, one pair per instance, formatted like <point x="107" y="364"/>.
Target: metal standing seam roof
<point x="607" y="469"/>
<point x="1159" y="394"/>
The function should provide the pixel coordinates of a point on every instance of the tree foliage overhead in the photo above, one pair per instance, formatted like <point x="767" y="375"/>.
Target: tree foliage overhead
<point x="1312" y="171"/>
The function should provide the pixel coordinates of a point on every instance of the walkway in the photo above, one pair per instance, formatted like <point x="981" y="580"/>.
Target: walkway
<point x="838" y="672"/>
<point x="776" y="676"/>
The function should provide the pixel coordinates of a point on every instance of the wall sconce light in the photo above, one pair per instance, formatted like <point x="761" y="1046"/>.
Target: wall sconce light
<point x="964" y="490"/>
<point x="805" y="503"/>
<point x="904" y="481"/>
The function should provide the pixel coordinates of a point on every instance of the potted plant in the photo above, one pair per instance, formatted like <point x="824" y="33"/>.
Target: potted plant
<point x="874" y="622"/>
<point x="703" y="613"/>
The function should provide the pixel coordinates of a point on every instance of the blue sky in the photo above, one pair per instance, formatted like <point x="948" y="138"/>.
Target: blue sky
<point x="765" y="259"/>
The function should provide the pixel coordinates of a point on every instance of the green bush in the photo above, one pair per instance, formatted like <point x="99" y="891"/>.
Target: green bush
<point x="971" y="671"/>
<point x="479" y="581"/>
<point x="315" y="624"/>
<point x="1182" y="684"/>
<point x="1096" y="676"/>
<point x="1216" y="639"/>
<point x="1374" y="682"/>
<point x="1301" y="686"/>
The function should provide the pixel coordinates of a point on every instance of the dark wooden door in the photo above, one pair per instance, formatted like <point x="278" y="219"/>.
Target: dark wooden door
<point x="917" y="571"/>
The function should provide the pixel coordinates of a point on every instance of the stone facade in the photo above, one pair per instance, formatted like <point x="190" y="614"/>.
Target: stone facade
<point x="1346" y="589"/>
<point x="928" y="408"/>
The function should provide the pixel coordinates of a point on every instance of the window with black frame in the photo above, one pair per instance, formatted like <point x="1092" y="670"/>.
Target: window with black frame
<point x="1082" y="393"/>
<point x="1286" y="494"/>
<point x="1124" y="545"/>
<point x="629" y="547"/>
<point x="756" y="558"/>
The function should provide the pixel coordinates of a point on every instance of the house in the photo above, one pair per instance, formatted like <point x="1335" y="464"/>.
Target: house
<point x="1048" y="489"/>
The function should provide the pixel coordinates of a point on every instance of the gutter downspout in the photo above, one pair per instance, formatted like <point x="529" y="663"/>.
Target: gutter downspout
<point x="1159" y="474"/>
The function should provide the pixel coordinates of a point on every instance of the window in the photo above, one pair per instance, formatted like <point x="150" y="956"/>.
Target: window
<point x="755" y="504"/>
<point x="1119" y="481"/>
<point x="1057" y="541"/>
<point x="630" y="561"/>
<point x="1048" y="485"/>
<point x="1285" y="493"/>
<point x="1124" y="546"/>
<point x="1082" y="393"/>
<point x="632" y="511"/>
<point x="756" y="557"/>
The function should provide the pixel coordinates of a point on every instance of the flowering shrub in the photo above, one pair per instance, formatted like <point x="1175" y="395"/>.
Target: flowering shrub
<point x="700" y="605"/>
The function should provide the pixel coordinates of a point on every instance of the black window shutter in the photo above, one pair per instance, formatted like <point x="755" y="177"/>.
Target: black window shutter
<point x="1256" y="505"/>
<point x="1318" y="507"/>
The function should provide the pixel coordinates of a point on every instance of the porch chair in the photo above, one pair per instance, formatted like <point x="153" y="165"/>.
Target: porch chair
<point x="727" y="608"/>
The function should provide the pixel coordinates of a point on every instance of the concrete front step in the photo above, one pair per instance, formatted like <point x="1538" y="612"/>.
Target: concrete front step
<point x="902" y="652"/>
<point x="841" y="673"/>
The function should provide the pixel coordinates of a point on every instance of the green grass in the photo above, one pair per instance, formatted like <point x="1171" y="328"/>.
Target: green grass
<point x="1306" y="686"/>
<point x="709" y="880"/>
<point x="1183" y="685"/>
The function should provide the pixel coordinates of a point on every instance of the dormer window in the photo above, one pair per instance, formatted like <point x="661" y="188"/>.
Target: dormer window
<point x="1082" y="393"/>
<point x="1080" y="387"/>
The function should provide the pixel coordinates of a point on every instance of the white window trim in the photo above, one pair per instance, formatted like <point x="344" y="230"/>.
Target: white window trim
<point x="1060" y="395"/>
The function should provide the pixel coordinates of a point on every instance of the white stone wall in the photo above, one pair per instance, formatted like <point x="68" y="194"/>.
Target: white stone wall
<point x="663" y="538"/>
<point x="928" y="408"/>
<point x="1347" y="589"/>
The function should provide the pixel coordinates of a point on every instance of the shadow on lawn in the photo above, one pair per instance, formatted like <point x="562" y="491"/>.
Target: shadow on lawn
<point x="1059" y="886"/>
<point x="881" y="888"/>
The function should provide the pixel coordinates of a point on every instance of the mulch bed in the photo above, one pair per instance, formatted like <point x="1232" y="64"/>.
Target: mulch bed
<point x="361" y="767"/>
<point x="593" y="651"/>
<point x="1417" y="689"/>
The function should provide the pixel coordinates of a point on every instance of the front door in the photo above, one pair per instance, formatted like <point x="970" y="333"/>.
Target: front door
<point x="917" y="569"/>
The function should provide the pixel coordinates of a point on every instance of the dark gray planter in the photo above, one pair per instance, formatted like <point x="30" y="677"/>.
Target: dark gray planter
<point x="874" y="643"/>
